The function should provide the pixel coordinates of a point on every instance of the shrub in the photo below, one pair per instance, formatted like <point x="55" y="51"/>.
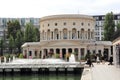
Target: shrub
<point x="21" y="56"/>
<point x="57" y="55"/>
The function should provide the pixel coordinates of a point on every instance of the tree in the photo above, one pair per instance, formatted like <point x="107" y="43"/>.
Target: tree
<point x="118" y="26"/>
<point x="13" y="27"/>
<point x="109" y="26"/>
<point x="1" y="47"/>
<point x="30" y="33"/>
<point x="11" y="44"/>
<point x="37" y="34"/>
<point x="19" y="40"/>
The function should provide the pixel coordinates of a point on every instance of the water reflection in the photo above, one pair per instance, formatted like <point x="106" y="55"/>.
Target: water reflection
<point x="41" y="77"/>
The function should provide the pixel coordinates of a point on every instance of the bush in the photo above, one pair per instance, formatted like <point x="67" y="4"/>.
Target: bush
<point x="21" y="56"/>
<point x="57" y="55"/>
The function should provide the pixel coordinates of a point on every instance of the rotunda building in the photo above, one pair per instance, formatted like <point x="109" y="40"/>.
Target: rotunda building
<point x="65" y="34"/>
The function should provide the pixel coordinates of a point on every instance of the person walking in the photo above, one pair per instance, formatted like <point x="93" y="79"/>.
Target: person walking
<point x="89" y="62"/>
<point x="98" y="60"/>
<point x="103" y="60"/>
<point x="110" y="60"/>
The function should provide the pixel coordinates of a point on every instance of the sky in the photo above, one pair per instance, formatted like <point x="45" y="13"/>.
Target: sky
<point x="41" y="8"/>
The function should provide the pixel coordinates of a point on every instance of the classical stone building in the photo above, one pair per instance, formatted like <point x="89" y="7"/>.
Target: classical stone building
<point x="66" y="34"/>
<point x="116" y="51"/>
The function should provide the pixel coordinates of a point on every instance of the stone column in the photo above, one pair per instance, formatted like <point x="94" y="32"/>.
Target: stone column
<point x="46" y="36"/>
<point x="61" y="34"/>
<point x="115" y="51"/>
<point x="61" y="53"/>
<point x="42" y="52"/>
<point x="109" y="52"/>
<point x="50" y="36"/>
<point x="33" y="53"/>
<point x="73" y="50"/>
<point x="54" y="52"/>
<point x="0" y="60"/>
<point x="27" y="53"/>
<point x="70" y="34"/>
<point x="53" y="35"/>
<point x="66" y="55"/>
<point x="66" y="50"/>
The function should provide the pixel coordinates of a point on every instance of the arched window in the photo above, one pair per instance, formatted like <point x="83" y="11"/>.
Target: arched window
<point x="48" y="34"/>
<point x="88" y="33"/>
<point x="56" y="34"/>
<point x="73" y="33"/>
<point x="65" y="33"/>
<point x="82" y="33"/>
<point x="43" y="34"/>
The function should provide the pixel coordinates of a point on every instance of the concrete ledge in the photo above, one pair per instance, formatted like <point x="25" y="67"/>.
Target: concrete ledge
<point x="86" y="75"/>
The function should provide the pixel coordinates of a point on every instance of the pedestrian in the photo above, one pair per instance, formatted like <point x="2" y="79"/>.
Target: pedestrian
<point x="103" y="60"/>
<point x="98" y="60"/>
<point x="89" y="62"/>
<point x="110" y="60"/>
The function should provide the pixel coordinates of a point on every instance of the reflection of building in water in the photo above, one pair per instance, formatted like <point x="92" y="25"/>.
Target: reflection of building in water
<point x="62" y="34"/>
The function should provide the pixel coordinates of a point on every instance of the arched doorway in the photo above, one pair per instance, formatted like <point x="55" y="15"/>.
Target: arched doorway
<point x="70" y="50"/>
<point x="63" y="53"/>
<point x="64" y="33"/>
<point x="51" y="52"/>
<point x="76" y="53"/>
<point x="74" y="33"/>
<point x="56" y="35"/>
<point x="45" y="53"/>
<point x="106" y="55"/>
<point x="57" y="53"/>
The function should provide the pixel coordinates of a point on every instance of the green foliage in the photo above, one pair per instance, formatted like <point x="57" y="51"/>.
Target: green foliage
<point x="11" y="43"/>
<point x="87" y="56"/>
<point x="1" y="47"/>
<point x="109" y="26"/>
<point x="118" y="26"/>
<point x="57" y="55"/>
<point x="21" y="56"/>
<point x="37" y="34"/>
<point x="19" y="40"/>
<point x="30" y="35"/>
<point x="13" y="27"/>
<point x="74" y="53"/>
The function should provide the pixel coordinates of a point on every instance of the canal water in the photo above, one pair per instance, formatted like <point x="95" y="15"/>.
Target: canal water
<point x="41" y="77"/>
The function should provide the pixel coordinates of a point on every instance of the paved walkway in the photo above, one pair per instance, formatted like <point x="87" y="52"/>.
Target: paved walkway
<point x="101" y="72"/>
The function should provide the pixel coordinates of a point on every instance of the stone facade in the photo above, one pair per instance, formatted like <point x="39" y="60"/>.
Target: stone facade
<point x="66" y="34"/>
<point x="116" y="51"/>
